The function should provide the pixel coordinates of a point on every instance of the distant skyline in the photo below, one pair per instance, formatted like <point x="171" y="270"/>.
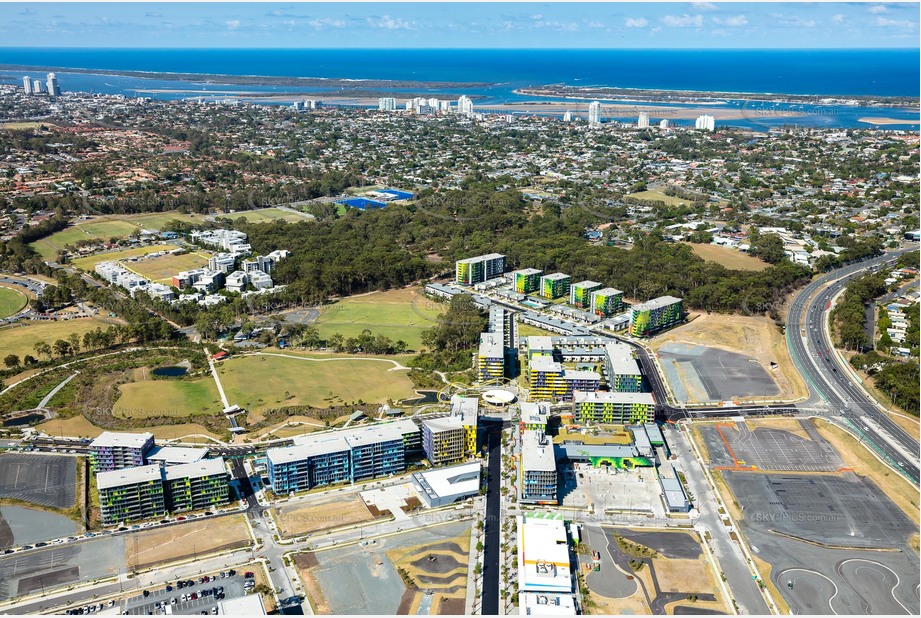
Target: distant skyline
<point x="710" y="25"/>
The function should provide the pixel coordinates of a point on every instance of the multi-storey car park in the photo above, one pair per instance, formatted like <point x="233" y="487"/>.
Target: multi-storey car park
<point x="479" y="269"/>
<point x="659" y="313"/>
<point x="580" y="293"/>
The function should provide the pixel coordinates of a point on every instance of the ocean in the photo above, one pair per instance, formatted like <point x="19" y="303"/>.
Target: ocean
<point x="824" y="73"/>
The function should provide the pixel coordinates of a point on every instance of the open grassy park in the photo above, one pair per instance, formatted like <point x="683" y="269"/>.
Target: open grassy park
<point x="262" y="382"/>
<point x="11" y="301"/>
<point x="20" y="338"/>
<point x="89" y="263"/>
<point x="265" y="215"/>
<point x="104" y="228"/>
<point x="658" y="196"/>
<point x="161" y="269"/>
<point x="728" y="257"/>
<point x="398" y="314"/>
<point x="176" y="398"/>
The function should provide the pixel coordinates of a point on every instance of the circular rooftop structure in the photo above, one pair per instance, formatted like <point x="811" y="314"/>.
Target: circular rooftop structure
<point x="498" y="397"/>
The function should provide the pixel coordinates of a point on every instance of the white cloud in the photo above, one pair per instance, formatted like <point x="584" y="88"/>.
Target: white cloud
<point x="594" y="24"/>
<point x="390" y="23"/>
<point x="703" y="6"/>
<point x="639" y="22"/>
<point x="326" y="22"/>
<point x="894" y="23"/>
<point x="877" y="9"/>
<point x="232" y="24"/>
<point x="683" y="21"/>
<point x="732" y="22"/>
<point x="838" y="19"/>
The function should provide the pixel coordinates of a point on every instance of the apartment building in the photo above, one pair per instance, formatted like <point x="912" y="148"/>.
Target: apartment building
<point x="196" y="486"/>
<point x="527" y="281"/>
<point x="343" y="456"/>
<point x="534" y="415"/>
<point x="116" y="451"/>
<point x="551" y="382"/>
<point x="580" y="293"/>
<point x="612" y="408"/>
<point x="555" y="285"/>
<point x="606" y="302"/>
<point x="538" y="469"/>
<point x="497" y="356"/>
<point x="622" y="372"/>
<point x="479" y="269"/>
<point x="131" y="494"/>
<point x="655" y="315"/>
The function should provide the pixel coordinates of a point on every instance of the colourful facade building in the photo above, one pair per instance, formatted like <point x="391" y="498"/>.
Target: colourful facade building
<point x="527" y="280"/>
<point x="538" y="469"/>
<point x="131" y="494"/>
<point x="622" y="372"/>
<point x="116" y="451"/>
<point x="655" y="315"/>
<point x="444" y="439"/>
<point x="479" y="269"/>
<point x="534" y="415"/>
<point x="613" y="408"/>
<point x="551" y="382"/>
<point x="539" y="345"/>
<point x="196" y="486"/>
<point x="580" y="293"/>
<point x="497" y="356"/>
<point x="490" y="359"/>
<point x="555" y="285"/>
<point x="606" y="302"/>
<point x="468" y="410"/>
<point x="344" y="456"/>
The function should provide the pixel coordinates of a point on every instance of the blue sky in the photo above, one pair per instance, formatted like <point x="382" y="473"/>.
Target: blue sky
<point x="474" y="25"/>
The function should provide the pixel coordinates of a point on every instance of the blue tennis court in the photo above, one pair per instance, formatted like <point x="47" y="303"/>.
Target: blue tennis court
<point x="361" y="202"/>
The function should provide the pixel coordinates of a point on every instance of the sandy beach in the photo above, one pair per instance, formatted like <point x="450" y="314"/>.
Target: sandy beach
<point x="886" y="121"/>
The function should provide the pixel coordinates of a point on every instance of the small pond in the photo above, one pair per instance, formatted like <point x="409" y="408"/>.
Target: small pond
<point x="170" y="372"/>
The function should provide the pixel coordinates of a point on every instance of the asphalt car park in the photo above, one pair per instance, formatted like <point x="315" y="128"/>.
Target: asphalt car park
<point x="159" y="598"/>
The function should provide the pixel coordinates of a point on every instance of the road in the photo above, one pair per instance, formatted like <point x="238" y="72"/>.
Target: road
<point x="493" y="523"/>
<point x="834" y="383"/>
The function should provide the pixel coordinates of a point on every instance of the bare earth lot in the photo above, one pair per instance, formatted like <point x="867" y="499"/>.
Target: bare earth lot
<point x="186" y="540"/>
<point x="728" y="257"/>
<point x="323" y="514"/>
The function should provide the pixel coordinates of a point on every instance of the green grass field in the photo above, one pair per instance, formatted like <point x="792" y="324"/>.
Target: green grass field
<point x="167" y="398"/>
<point x="20" y="339"/>
<point x="398" y="314"/>
<point x="161" y="269"/>
<point x="658" y="196"/>
<point x="103" y="228"/>
<point x="526" y="330"/>
<point x="728" y="257"/>
<point x="11" y="301"/>
<point x="262" y="382"/>
<point x="89" y="263"/>
<point x="264" y="215"/>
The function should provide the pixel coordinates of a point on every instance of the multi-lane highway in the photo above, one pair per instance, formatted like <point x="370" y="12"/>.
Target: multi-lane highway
<point x="834" y="383"/>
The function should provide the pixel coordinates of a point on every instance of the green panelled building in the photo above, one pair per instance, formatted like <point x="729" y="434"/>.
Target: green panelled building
<point x="131" y="494"/>
<point x="655" y="315"/>
<point x="197" y="486"/>
<point x="527" y="280"/>
<point x="613" y="408"/>
<point x="606" y="302"/>
<point x="580" y="293"/>
<point x="554" y="286"/>
<point x="479" y="269"/>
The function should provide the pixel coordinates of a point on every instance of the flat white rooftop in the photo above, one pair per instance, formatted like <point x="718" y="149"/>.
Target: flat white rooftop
<point x="620" y="359"/>
<point x="339" y="441"/>
<point x="535" y="412"/>
<point x="607" y="292"/>
<point x="657" y="303"/>
<point x="128" y="476"/>
<point x="543" y="555"/>
<point x="248" y="605"/>
<point x="444" y="423"/>
<point x="459" y="480"/>
<point x="537" y="455"/>
<point x="480" y="258"/>
<point x="111" y="439"/>
<point x="546" y="364"/>
<point x="613" y="397"/>
<point x="546" y="604"/>
<point x="198" y="469"/>
<point x="171" y="455"/>
<point x="556" y="276"/>
<point x="585" y="284"/>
